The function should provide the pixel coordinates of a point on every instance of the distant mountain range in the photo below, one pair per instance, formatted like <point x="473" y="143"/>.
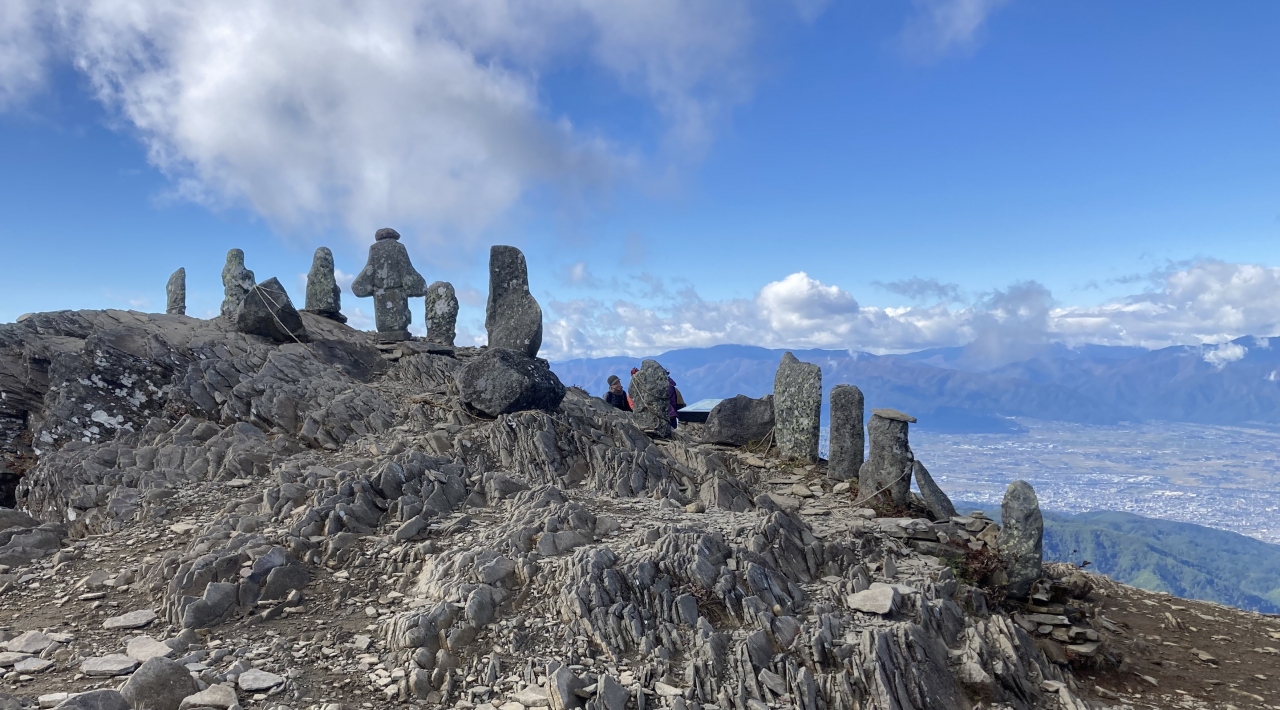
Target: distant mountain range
<point x="963" y="389"/>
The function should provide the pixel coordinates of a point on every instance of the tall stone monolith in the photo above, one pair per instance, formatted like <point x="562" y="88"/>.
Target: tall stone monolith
<point x="176" y="293"/>
<point x="324" y="296"/>
<point x="1021" y="538"/>
<point x="236" y="283"/>
<point x="390" y="279"/>
<point x="846" y="435"/>
<point x="886" y="474"/>
<point x="512" y="316"/>
<point x="797" y="407"/>
<point x="650" y="392"/>
<point x="442" y="314"/>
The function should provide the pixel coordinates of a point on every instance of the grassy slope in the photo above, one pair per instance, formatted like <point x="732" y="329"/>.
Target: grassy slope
<point x="1186" y="560"/>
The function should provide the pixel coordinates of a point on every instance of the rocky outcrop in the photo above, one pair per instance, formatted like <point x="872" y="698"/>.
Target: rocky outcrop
<point x="328" y="510"/>
<point x="935" y="499"/>
<point x="176" y="293"/>
<point x="886" y="474"/>
<point x="390" y="280"/>
<point x="503" y="381"/>
<point x="324" y="296"/>
<point x="650" y="393"/>
<point x="267" y="312"/>
<point x="848" y="444"/>
<point x="512" y="316"/>
<point x="739" y="420"/>
<point x="1021" y="537"/>
<point x="797" y="405"/>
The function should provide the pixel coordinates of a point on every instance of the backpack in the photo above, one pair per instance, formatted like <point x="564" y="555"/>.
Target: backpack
<point x="679" y="399"/>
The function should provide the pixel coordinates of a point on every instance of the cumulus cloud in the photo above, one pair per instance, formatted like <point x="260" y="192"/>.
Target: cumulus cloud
<point x="23" y="49"/>
<point x="941" y="27"/>
<point x="1208" y="303"/>
<point x="430" y="115"/>
<point x="1221" y="355"/>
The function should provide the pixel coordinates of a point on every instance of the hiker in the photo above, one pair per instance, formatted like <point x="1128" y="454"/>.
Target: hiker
<point x="616" y="396"/>
<point x="675" y="402"/>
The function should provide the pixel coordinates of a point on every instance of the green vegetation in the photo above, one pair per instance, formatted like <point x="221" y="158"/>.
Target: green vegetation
<point x="1185" y="560"/>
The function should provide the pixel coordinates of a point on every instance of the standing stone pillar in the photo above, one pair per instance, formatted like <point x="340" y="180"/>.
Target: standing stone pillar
<point x="176" y="293"/>
<point x="890" y="464"/>
<point x="442" y="314"/>
<point x="390" y="279"/>
<point x="1021" y="538"/>
<point x="650" y="392"/>
<point x="236" y="283"/>
<point x="797" y="406"/>
<point x="847" y="440"/>
<point x="512" y="317"/>
<point x="324" y="296"/>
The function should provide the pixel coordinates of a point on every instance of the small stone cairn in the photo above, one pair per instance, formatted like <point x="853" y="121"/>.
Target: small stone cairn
<point x="442" y="316"/>
<point x="176" y="293"/>
<point x="324" y="296"/>
<point x="797" y="404"/>
<point x="512" y="316"/>
<point x="886" y="474"/>
<point x="236" y="283"/>
<point x="847" y="439"/>
<point x="390" y="279"/>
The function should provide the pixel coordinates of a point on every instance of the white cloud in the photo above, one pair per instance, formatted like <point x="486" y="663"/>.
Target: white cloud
<point x="1205" y="303"/>
<point x="432" y="116"/>
<point x="1221" y="355"/>
<point x="23" y="49"/>
<point x="941" y="27"/>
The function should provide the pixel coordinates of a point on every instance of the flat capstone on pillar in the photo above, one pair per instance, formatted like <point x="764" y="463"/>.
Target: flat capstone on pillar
<point x="886" y="474"/>
<point x="390" y="279"/>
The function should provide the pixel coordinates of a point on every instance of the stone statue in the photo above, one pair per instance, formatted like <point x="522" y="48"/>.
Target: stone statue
<point x="512" y="317"/>
<point x="797" y="409"/>
<point x="176" y="293"/>
<point x="442" y="314"/>
<point x="324" y="297"/>
<point x="236" y="283"/>
<point x="390" y="279"/>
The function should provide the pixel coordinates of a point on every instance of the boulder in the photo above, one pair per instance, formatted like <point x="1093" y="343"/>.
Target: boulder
<point x="797" y="404"/>
<point x="650" y="392"/>
<point x="176" y="293"/>
<point x="502" y="381"/>
<point x="848" y="442"/>
<point x="237" y="281"/>
<point x="324" y="296"/>
<point x="95" y="700"/>
<point x="1021" y="538"/>
<point x="130" y="620"/>
<point x="268" y="312"/>
<point x="442" y="314"/>
<point x="512" y="316"/>
<point x="159" y="684"/>
<point x="887" y="470"/>
<point x="390" y="280"/>
<point x="739" y="420"/>
<point x="222" y="697"/>
<point x="935" y="500"/>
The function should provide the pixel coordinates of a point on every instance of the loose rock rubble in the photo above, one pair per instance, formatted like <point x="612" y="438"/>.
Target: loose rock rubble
<point x="334" y="524"/>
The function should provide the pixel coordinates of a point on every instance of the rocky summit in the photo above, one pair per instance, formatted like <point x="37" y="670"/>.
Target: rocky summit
<point x="213" y="518"/>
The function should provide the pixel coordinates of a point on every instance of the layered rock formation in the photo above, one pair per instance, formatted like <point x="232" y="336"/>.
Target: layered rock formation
<point x="341" y="523"/>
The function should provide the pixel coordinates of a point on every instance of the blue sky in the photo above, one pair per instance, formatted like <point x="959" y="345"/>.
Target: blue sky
<point x="874" y="175"/>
